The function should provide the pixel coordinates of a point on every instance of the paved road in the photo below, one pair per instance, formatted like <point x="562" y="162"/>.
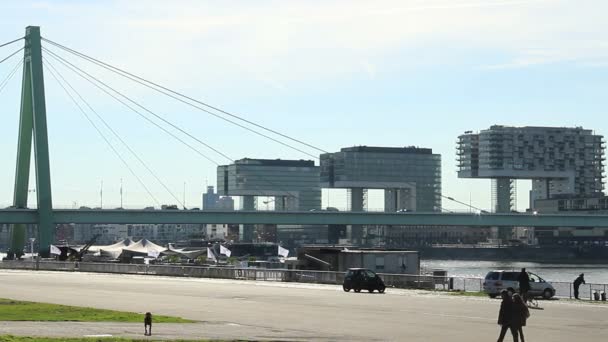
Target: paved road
<point x="281" y="311"/>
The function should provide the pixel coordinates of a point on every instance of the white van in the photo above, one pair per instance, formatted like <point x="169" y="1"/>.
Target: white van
<point x="496" y="281"/>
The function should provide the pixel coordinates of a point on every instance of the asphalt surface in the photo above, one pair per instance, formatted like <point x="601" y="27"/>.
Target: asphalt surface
<point x="250" y="310"/>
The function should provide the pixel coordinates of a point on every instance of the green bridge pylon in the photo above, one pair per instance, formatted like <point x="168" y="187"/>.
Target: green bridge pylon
<point x="32" y="124"/>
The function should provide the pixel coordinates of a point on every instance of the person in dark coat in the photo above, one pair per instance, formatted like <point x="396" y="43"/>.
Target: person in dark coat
<point x="505" y="317"/>
<point x="148" y="324"/>
<point x="524" y="283"/>
<point x="520" y="315"/>
<point x="577" y="283"/>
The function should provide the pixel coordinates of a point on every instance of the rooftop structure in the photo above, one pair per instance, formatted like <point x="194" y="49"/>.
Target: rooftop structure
<point x="558" y="160"/>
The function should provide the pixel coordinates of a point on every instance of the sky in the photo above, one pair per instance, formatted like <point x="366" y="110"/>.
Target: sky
<point x="331" y="73"/>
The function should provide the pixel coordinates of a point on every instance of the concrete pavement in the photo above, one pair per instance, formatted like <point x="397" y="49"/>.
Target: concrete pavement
<point x="228" y="309"/>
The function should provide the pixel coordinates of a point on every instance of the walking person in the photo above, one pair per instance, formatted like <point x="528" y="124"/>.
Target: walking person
<point x="520" y="315"/>
<point x="577" y="283"/>
<point x="505" y="317"/>
<point x="148" y="324"/>
<point x="524" y="284"/>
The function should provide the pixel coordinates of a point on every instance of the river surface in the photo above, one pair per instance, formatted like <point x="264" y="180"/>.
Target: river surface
<point x="597" y="274"/>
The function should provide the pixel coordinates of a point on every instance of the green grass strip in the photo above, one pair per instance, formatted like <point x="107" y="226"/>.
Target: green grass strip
<point x="13" y="310"/>
<point x="11" y="338"/>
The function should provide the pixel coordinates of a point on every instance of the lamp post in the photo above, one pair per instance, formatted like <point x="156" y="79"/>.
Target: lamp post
<point x="32" y="251"/>
<point x="184" y="197"/>
<point x="268" y="202"/>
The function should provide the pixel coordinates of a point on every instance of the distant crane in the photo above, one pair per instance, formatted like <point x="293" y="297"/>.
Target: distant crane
<point x="78" y="254"/>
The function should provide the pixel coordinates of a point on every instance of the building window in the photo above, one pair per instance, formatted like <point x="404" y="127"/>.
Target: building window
<point x="403" y="263"/>
<point x="380" y="262"/>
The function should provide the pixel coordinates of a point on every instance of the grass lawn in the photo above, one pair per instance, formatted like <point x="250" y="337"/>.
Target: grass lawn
<point x="10" y="338"/>
<point x="13" y="310"/>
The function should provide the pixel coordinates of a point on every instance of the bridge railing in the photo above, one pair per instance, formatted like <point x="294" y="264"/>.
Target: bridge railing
<point x="405" y="281"/>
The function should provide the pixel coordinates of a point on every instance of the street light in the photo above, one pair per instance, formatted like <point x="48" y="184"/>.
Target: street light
<point x="32" y="247"/>
<point x="268" y="202"/>
<point x="480" y="211"/>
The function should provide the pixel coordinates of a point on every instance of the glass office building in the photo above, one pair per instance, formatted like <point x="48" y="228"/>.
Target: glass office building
<point x="294" y="184"/>
<point x="410" y="176"/>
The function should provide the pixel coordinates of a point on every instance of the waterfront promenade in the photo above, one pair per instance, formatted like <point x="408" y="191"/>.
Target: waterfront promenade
<point x="229" y="309"/>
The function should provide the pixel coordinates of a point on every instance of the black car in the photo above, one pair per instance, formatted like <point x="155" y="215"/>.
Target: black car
<point x="362" y="279"/>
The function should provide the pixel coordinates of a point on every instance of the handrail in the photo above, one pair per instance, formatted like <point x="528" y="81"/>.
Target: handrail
<point x="429" y="282"/>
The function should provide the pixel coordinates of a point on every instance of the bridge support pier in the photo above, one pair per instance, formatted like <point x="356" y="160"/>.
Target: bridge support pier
<point x="249" y="204"/>
<point x="32" y="124"/>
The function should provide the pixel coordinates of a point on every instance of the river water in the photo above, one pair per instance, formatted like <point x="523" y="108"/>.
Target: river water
<point x="597" y="274"/>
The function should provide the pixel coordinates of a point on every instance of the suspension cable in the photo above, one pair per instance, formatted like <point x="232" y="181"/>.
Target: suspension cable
<point x="11" y="55"/>
<point x="104" y="138"/>
<point x="206" y="111"/>
<point x="62" y="60"/>
<point x="179" y="97"/>
<point x="82" y="74"/>
<point x="148" y="84"/>
<point x="10" y="75"/>
<point x="116" y="134"/>
<point x="11" y="42"/>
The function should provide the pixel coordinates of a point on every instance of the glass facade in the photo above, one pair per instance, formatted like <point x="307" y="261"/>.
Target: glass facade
<point x="293" y="183"/>
<point x="416" y="169"/>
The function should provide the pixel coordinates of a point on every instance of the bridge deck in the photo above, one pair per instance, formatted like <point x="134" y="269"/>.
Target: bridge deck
<point x="30" y="216"/>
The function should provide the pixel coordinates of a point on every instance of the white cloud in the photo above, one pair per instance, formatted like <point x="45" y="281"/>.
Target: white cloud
<point x="277" y="42"/>
<point x="585" y="53"/>
<point x="301" y="40"/>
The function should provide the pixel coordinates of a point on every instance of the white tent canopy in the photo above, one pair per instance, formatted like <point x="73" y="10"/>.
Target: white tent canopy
<point x="119" y="245"/>
<point x="144" y="246"/>
<point x="190" y="254"/>
<point x="114" y="251"/>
